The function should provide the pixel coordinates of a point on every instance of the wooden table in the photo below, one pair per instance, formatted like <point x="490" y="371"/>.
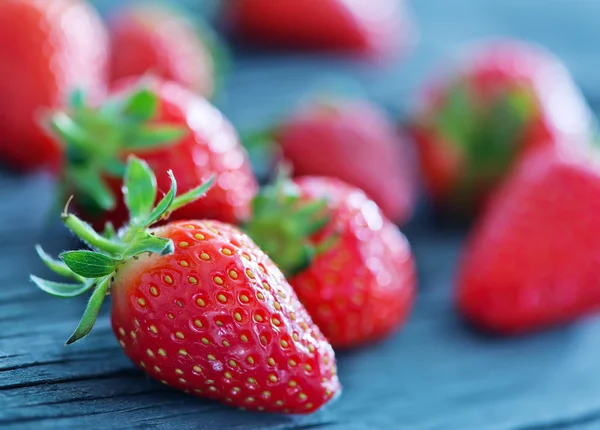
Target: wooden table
<point x="434" y="374"/>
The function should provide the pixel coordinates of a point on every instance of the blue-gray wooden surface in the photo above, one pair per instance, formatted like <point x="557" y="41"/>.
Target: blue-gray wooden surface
<point x="434" y="374"/>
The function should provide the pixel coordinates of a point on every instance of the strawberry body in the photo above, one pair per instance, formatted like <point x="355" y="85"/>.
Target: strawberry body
<point x="62" y="44"/>
<point x="532" y="260"/>
<point x="351" y="267"/>
<point x="209" y="146"/>
<point x="353" y="140"/>
<point x="217" y="318"/>
<point x="196" y="304"/>
<point x="362" y="287"/>
<point x="376" y="27"/>
<point x="163" y="41"/>
<point x="504" y="98"/>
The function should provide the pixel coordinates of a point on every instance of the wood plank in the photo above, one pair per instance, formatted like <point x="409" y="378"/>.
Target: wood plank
<point x="434" y="374"/>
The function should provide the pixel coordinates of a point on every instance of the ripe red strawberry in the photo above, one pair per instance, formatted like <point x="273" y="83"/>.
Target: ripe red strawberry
<point x="532" y="260"/>
<point x="198" y="306"/>
<point x="349" y="265"/>
<point x="162" y="40"/>
<point x="47" y="48"/>
<point x="354" y="141"/>
<point x="170" y="128"/>
<point x="374" y="27"/>
<point x="504" y="98"/>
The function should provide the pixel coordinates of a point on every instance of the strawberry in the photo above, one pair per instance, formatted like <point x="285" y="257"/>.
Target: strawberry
<point x="350" y="266"/>
<point x="532" y="260"/>
<point x="165" y="41"/>
<point x="357" y="144"/>
<point x="47" y="48"/>
<point x="505" y="98"/>
<point x="375" y="27"/>
<point x="167" y="126"/>
<point x="198" y="306"/>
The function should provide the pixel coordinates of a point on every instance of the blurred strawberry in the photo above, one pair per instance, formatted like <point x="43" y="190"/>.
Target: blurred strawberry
<point x="533" y="258"/>
<point x="167" y="42"/>
<point x="506" y="97"/>
<point x="167" y="126"/>
<point x="47" y="48"/>
<point x="350" y="266"/>
<point x="374" y="27"/>
<point x="354" y="141"/>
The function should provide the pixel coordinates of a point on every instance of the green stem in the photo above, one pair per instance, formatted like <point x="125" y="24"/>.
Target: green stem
<point x="192" y="195"/>
<point x="86" y="233"/>
<point x="91" y="312"/>
<point x="130" y="232"/>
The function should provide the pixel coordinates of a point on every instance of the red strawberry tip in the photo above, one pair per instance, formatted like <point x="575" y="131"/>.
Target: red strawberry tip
<point x="95" y="269"/>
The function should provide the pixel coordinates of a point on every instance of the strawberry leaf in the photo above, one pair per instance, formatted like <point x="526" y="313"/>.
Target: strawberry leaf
<point x="283" y="225"/>
<point x="57" y="266"/>
<point x="111" y="108"/>
<point x="109" y="231"/>
<point x="115" y="168"/>
<point x="311" y="217"/>
<point x="85" y="232"/>
<point x="155" y="135"/>
<point x="69" y="130"/>
<point x="111" y="248"/>
<point x="90" y="183"/>
<point x="192" y="195"/>
<point x="145" y="242"/>
<point x="458" y="116"/>
<point x="162" y="207"/>
<point x="77" y="99"/>
<point x="61" y="289"/>
<point x="142" y="105"/>
<point x="89" y="264"/>
<point x="91" y="311"/>
<point x="139" y="188"/>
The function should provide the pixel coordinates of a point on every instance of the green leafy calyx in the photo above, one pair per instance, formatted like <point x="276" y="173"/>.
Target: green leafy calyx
<point x="95" y="269"/>
<point x="488" y="129"/>
<point x="96" y="138"/>
<point x="283" y="225"/>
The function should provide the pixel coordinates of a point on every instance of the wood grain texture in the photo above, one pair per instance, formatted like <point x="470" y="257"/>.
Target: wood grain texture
<point x="434" y="374"/>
